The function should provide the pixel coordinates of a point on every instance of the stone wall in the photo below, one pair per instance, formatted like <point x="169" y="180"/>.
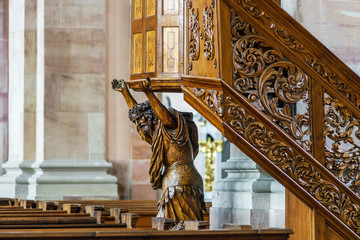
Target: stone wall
<point x="74" y="79"/>
<point x="336" y="23"/>
<point x="57" y="101"/>
<point x="140" y="179"/>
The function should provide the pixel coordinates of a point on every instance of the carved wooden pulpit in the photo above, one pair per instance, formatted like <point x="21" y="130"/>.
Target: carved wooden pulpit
<point x="172" y="38"/>
<point x="157" y="39"/>
<point x="245" y="65"/>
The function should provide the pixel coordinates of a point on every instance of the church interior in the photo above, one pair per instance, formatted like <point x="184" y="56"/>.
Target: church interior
<point x="180" y="119"/>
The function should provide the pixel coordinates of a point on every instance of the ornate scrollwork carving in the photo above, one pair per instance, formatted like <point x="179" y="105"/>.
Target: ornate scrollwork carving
<point x="252" y="53"/>
<point x="280" y="32"/>
<point x="321" y="68"/>
<point x="239" y="27"/>
<point x="212" y="98"/>
<point x="290" y="85"/>
<point x="293" y="164"/>
<point x="271" y="83"/>
<point x="208" y="18"/>
<point x="342" y="133"/>
<point x="194" y="28"/>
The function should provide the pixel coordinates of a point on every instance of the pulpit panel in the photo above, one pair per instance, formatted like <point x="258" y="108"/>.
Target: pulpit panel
<point x="157" y="38"/>
<point x="201" y="42"/>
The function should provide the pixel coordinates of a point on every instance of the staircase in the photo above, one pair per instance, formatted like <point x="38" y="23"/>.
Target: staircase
<point x="289" y="104"/>
<point x="281" y="97"/>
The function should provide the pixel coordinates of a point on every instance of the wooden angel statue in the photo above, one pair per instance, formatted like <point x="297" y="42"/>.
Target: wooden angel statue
<point x="174" y="140"/>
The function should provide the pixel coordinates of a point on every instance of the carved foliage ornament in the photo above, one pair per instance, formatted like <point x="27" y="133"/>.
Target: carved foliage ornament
<point x="321" y="68"/>
<point x="239" y="27"/>
<point x="208" y="18"/>
<point x="212" y="98"/>
<point x="251" y="54"/>
<point x="272" y="83"/>
<point x="289" y="84"/>
<point x="342" y="152"/>
<point x="206" y="33"/>
<point x="194" y="45"/>
<point x="293" y="164"/>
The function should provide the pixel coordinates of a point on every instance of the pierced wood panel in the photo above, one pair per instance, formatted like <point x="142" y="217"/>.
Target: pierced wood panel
<point x="303" y="48"/>
<point x="262" y="140"/>
<point x="342" y="142"/>
<point x="276" y="86"/>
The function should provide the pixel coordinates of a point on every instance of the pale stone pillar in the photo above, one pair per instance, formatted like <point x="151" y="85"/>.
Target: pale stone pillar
<point x="117" y="135"/>
<point x="16" y="104"/>
<point x="247" y="196"/>
<point x="56" y="102"/>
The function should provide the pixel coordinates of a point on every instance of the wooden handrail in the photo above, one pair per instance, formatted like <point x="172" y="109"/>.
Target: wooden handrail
<point x="301" y="48"/>
<point x="314" y="173"/>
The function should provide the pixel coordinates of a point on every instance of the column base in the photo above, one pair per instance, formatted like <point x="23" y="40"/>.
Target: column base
<point x="257" y="218"/>
<point x="8" y="184"/>
<point x="259" y="203"/>
<point x="64" y="179"/>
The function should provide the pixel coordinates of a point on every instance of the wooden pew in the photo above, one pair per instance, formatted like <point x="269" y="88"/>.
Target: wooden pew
<point x="4" y="202"/>
<point x="37" y="223"/>
<point x="39" y="213"/>
<point x="19" y="214"/>
<point x="46" y="220"/>
<point x="162" y="224"/>
<point x="27" y="214"/>
<point x="196" y="225"/>
<point x="273" y="234"/>
<point x="147" y="209"/>
<point x="65" y="226"/>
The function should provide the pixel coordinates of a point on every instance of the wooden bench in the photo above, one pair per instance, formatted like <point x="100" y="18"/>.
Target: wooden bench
<point x="147" y="209"/>
<point x="146" y="234"/>
<point x="95" y="220"/>
<point x="46" y="220"/>
<point x="39" y="213"/>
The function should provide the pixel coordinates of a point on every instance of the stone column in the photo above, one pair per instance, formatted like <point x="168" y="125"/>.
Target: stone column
<point x="57" y="101"/>
<point x="4" y="34"/>
<point x="16" y="104"/>
<point x="247" y="196"/>
<point x="118" y="66"/>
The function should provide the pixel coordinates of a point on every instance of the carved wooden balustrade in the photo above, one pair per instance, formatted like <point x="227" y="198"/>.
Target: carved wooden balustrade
<point x="289" y="104"/>
<point x="279" y="95"/>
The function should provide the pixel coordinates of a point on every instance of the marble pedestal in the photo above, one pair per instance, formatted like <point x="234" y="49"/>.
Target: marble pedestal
<point x="59" y="180"/>
<point x="247" y="196"/>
